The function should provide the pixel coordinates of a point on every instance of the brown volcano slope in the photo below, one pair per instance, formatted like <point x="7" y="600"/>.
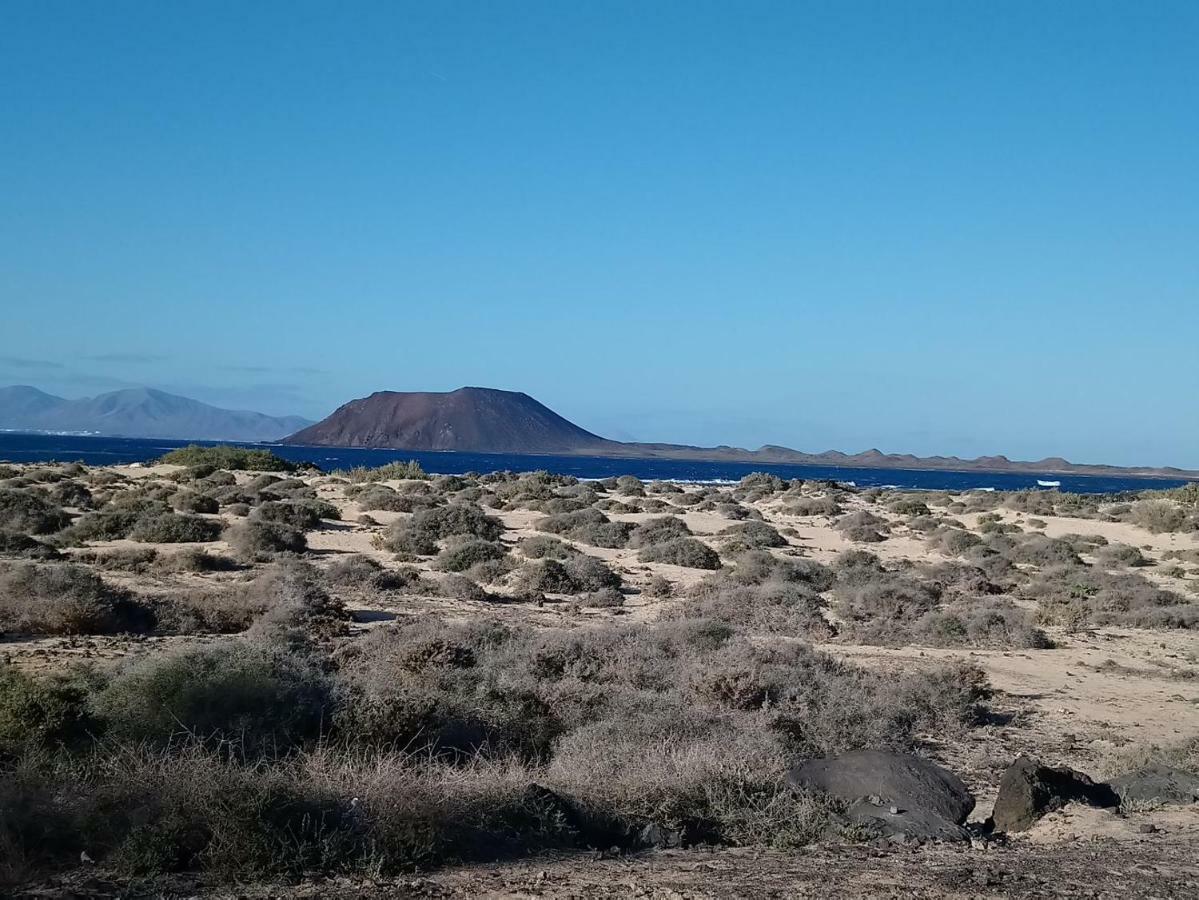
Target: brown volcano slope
<point x="469" y="419"/>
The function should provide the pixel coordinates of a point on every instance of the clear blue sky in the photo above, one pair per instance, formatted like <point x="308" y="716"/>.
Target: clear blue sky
<point x="958" y="227"/>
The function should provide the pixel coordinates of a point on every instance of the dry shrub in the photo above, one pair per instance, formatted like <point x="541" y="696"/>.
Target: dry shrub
<point x="419" y="535"/>
<point x="683" y="551"/>
<point x="658" y="531"/>
<point x="587" y="526"/>
<point x="64" y="598"/>
<point x="1082" y="596"/>
<point x="541" y="546"/>
<point x="863" y="527"/>
<point x="173" y="528"/>
<point x="255" y="541"/>
<point x="813" y="506"/>
<point x="751" y="535"/>
<point x="462" y="553"/>
<point x="27" y="512"/>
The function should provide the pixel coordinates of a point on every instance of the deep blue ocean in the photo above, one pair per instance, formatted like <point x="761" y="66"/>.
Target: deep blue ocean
<point x="113" y="451"/>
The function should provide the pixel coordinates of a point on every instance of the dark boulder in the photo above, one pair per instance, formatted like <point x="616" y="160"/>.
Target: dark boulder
<point x="894" y="794"/>
<point x="1157" y="784"/>
<point x="1029" y="790"/>
<point x="896" y="823"/>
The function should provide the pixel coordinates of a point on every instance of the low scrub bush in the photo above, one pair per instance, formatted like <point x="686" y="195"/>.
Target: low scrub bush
<point x="813" y="506"/>
<point x="460" y="587"/>
<point x="301" y="515"/>
<point x="393" y="471"/>
<point x="255" y="541"/>
<point x="952" y="541"/>
<point x="992" y="623"/>
<point x="419" y="535"/>
<point x="264" y="700"/>
<point x="64" y="598"/>
<point x="26" y="512"/>
<point x="1039" y="550"/>
<point x="462" y="553"/>
<point x="1161" y="516"/>
<point x="540" y="546"/>
<point x="173" y="528"/>
<point x="40" y="713"/>
<point x="381" y="497"/>
<point x="772" y="606"/>
<point x="908" y="506"/>
<point x="22" y="546"/>
<point x="1081" y="596"/>
<point x="192" y="502"/>
<point x="604" y="598"/>
<point x="656" y="531"/>
<point x="575" y="575"/>
<point x="1116" y="556"/>
<point x="227" y="457"/>
<point x="357" y="571"/>
<point x="862" y="527"/>
<point x="682" y="551"/>
<point x="71" y="493"/>
<point x="587" y="526"/>
<point x="752" y="535"/>
<point x="878" y="606"/>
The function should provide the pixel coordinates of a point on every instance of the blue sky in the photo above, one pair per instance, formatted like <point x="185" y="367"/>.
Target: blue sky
<point x="960" y="227"/>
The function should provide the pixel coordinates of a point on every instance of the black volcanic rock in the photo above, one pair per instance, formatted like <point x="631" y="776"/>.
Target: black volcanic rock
<point x="470" y="419"/>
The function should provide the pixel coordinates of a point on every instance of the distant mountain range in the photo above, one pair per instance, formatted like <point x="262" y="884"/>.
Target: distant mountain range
<point x="484" y="420"/>
<point x="138" y="413"/>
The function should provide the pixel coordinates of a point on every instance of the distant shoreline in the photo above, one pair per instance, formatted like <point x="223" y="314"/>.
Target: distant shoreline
<point x="797" y="458"/>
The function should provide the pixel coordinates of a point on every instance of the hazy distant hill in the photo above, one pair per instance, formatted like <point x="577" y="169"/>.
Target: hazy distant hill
<point x="138" y="412"/>
<point x="484" y="420"/>
<point x="468" y="419"/>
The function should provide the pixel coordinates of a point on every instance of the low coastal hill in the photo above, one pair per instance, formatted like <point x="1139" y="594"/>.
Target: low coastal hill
<point x="469" y="419"/>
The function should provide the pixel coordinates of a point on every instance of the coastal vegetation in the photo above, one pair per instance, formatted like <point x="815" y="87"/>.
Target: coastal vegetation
<point x="237" y="672"/>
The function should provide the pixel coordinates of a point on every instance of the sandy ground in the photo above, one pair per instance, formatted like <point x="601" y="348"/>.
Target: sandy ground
<point x="1096" y="693"/>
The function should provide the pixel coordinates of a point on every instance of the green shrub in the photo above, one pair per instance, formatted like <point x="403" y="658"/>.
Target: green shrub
<point x="301" y="515"/>
<point x="464" y="552"/>
<point x="228" y="457"/>
<point x="40" y="713"/>
<point x="173" y="528"/>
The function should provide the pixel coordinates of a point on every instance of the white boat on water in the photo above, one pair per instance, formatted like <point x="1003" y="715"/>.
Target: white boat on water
<point x="1041" y="483"/>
